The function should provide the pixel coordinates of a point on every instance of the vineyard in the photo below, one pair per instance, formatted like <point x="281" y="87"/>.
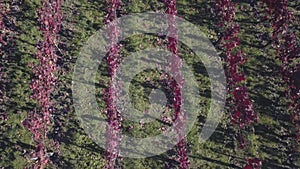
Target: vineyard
<point x="258" y="46"/>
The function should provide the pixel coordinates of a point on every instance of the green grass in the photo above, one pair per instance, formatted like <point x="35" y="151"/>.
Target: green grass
<point x="82" y="19"/>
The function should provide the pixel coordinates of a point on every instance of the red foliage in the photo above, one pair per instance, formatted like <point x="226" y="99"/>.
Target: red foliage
<point x="243" y="110"/>
<point x="175" y="66"/>
<point x="113" y="116"/>
<point x="239" y="101"/>
<point x="253" y="164"/>
<point x="241" y="105"/>
<point x="2" y="25"/>
<point x="3" y="115"/>
<point x="287" y="51"/>
<point x="38" y="122"/>
<point x="226" y="11"/>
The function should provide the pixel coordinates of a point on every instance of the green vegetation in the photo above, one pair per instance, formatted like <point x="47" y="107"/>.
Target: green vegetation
<point x="269" y="138"/>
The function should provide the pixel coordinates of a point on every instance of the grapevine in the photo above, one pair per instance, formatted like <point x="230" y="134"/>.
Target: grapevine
<point x="3" y="114"/>
<point x="288" y="52"/>
<point x="239" y="100"/>
<point x="113" y="127"/>
<point x="175" y="65"/>
<point x="39" y="121"/>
